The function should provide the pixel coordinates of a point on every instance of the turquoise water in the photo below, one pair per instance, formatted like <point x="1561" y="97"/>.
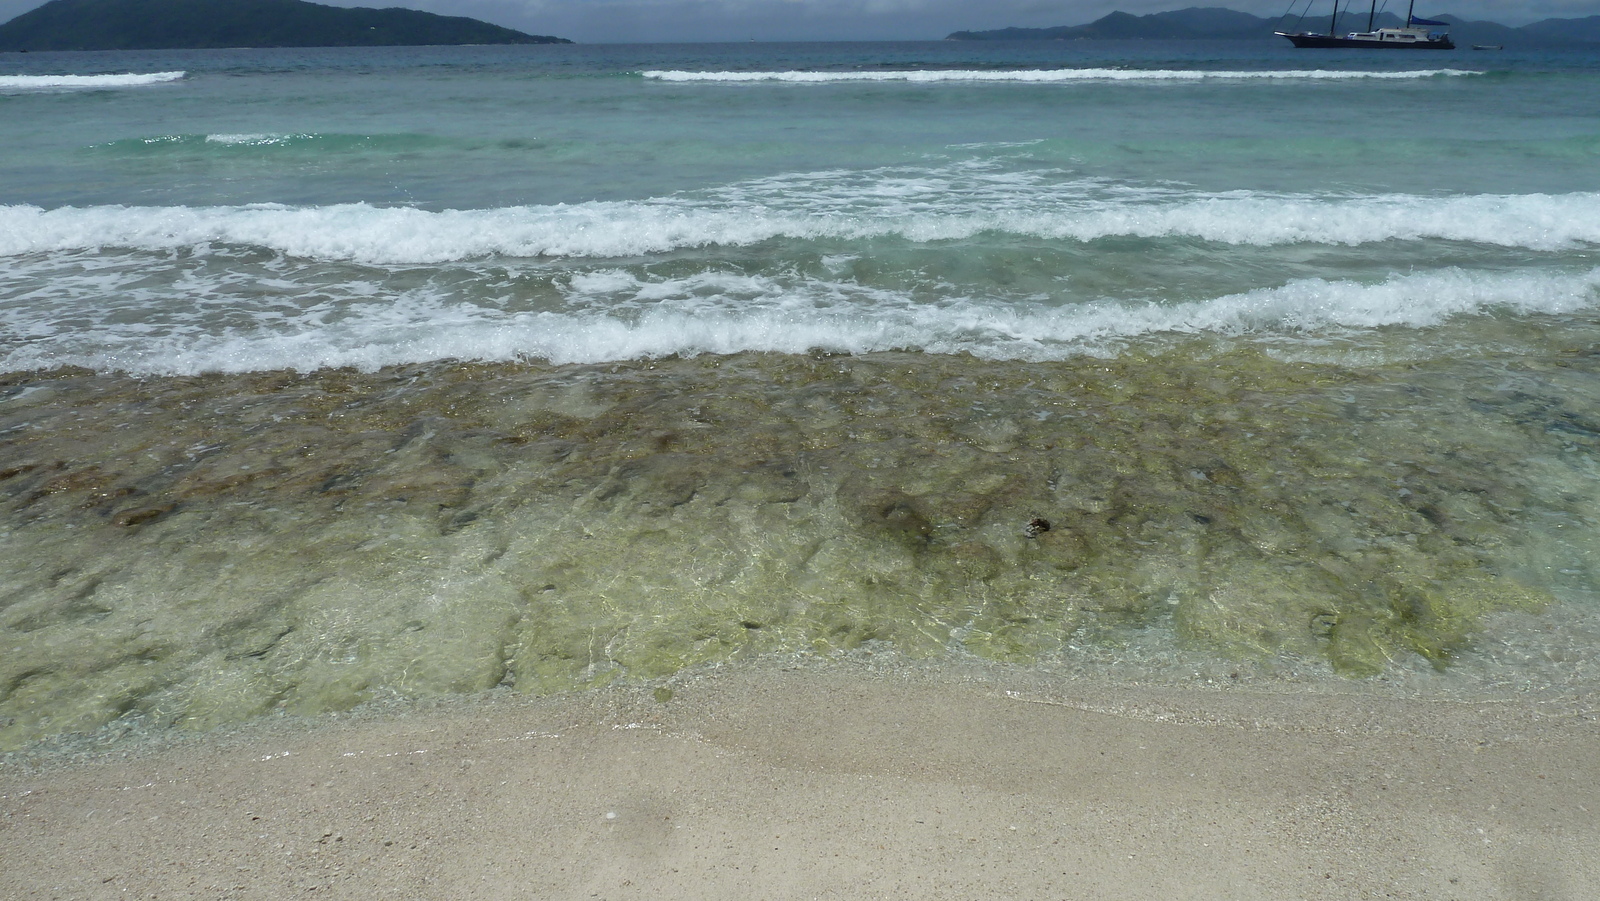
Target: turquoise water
<point x="336" y="375"/>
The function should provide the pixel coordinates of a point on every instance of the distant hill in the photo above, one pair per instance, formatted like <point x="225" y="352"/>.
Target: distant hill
<point x="1587" y="30"/>
<point x="1195" y="23"/>
<point x="1214" y="23"/>
<point x="201" y="24"/>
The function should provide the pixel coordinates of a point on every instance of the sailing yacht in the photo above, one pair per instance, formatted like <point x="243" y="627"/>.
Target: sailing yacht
<point x="1415" y="34"/>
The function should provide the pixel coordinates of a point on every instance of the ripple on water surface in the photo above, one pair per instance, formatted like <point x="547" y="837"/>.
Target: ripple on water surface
<point x="193" y="551"/>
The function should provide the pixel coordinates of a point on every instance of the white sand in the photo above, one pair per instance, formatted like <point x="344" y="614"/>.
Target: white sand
<point x="815" y="785"/>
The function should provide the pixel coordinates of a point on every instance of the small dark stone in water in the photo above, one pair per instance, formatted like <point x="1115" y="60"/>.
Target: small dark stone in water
<point x="142" y="515"/>
<point x="1036" y="526"/>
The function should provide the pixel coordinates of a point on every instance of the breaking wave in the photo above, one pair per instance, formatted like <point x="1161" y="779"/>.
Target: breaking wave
<point x="617" y="315"/>
<point x="58" y="82"/>
<point x="403" y="235"/>
<point x="1050" y="76"/>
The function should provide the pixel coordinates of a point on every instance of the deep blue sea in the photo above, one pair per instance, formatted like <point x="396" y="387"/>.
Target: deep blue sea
<point x="336" y="375"/>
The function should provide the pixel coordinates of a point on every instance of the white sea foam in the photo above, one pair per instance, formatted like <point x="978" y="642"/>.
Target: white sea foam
<point x="616" y="315"/>
<point x="251" y="139"/>
<point x="58" y="82"/>
<point x="917" y="211"/>
<point x="1050" y="76"/>
<point x="189" y="289"/>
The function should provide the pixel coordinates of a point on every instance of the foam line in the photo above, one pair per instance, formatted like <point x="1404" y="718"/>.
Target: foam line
<point x="1051" y="76"/>
<point x="617" y="316"/>
<point x="127" y="80"/>
<point x="759" y="212"/>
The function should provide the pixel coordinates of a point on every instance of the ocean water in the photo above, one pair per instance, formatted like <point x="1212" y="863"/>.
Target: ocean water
<point x="331" y="376"/>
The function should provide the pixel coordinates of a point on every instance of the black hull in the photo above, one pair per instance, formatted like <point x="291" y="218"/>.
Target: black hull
<point x="1328" y="42"/>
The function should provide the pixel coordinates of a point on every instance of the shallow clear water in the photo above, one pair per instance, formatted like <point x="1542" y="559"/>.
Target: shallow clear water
<point x="341" y="374"/>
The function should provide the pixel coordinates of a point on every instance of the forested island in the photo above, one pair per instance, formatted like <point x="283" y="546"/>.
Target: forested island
<point x="1215" y="23"/>
<point x="207" y="24"/>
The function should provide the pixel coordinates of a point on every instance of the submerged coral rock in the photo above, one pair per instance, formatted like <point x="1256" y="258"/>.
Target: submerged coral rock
<point x="197" y="550"/>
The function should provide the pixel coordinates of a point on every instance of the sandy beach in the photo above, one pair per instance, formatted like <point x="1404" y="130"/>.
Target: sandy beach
<point x="815" y="783"/>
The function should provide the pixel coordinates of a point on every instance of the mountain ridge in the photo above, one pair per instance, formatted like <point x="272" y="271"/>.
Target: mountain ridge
<point x="206" y="24"/>
<point x="1219" y="23"/>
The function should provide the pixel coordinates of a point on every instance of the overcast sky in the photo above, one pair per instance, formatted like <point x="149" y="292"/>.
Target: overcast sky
<point x="595" y="21"/>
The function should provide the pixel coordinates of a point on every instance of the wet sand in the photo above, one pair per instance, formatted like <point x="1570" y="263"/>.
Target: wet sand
<point x="829" y="783"/>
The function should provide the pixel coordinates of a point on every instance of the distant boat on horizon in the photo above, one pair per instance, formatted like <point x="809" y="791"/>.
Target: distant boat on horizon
<point x="1416" y="34"/>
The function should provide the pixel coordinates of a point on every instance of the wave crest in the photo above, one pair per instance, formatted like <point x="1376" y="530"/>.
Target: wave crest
<point x="1050" y="76"/>
<point x="759" y="212"/>
<point x="57" y="82"/>
<point x="619" y="316"/>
